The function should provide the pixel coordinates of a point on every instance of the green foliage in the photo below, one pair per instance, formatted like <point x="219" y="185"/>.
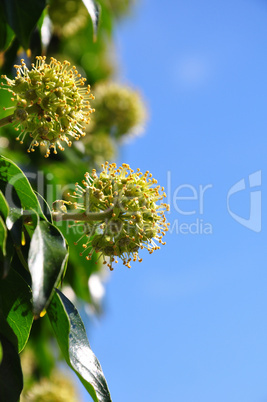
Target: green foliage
<point x="37" y="254"/>
<point x="13" y="179"/>
<point x="47" y="259"/>
<point x="22" y="17"/>
<point x="71" y="336"/>
<point x="15" y="309"/>
<point x="11" y="380"/>
<point x="93" y="9"/>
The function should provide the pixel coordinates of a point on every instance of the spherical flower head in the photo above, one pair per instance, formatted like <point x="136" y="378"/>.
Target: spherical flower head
<point x="119" y="110"/>
<point x="51" y="103"/>
<point x="67" y="16"/>
<point x="58" y="388"/>
<point x="133" y="217"/>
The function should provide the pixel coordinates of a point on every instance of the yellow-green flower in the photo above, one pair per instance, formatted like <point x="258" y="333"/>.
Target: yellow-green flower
<point x="133" y="218"/>
<point x="51" y="103"/>
<point x="119" y="110"/>
<point x="67" y="16"/>
<point x="57" y="388"/>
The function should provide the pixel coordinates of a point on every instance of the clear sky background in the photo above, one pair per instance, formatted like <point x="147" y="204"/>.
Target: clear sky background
<point x="189" y="324"/>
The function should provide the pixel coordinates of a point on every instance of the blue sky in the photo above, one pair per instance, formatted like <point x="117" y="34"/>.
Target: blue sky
<point x="189" y="324"/>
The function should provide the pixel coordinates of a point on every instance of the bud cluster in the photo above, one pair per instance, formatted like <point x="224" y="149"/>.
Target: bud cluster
<point x="132" y="215"/>
<point x="51" y="103"/>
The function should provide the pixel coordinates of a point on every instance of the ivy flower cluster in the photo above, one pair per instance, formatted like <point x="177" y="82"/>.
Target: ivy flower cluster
<point x="52" y="103"/>
<point x="120" y="110"/>
<point x="67" y="16"/>
<point x="125" y="213"/>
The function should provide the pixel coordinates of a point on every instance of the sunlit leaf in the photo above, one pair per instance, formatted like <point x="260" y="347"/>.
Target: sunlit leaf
<point x="14" y="224"/>
<point x="13" y="184"/>
<point x="3" y="237"/>
<point x="6" y="250"/>
<point x="47" y="257"/>
<point x="15" y="308"/>
<point x="11" y="381"/>
<point x="93" y="9"/>
<point x="72" y="339"/>
<point x="3" y="206"/>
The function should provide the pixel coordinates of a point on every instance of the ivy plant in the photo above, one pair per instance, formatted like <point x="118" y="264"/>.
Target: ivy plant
<point x="52" y="240"/>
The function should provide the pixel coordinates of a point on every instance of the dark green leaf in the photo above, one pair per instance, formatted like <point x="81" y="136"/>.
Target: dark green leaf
<point x="7" y="38"/>
<point x="14" y="183"/>
<point x="3" y="237"/>
<point x="93" y="9"/>
<point x="6" y="256"/>
<point x="22" y="16"/>
<point x="14" y="224"/>
<point x="15" y="309"/>
<point x="11" y="380"/>
<point x="1" y="352"/>
<point x="72" y="339"/>
<point x="14" y="237"/>
<point x="3" y="206"/>
<point x="3" y="28"/>
<point x="47" y="257"/>
<point x="6" y="33"/>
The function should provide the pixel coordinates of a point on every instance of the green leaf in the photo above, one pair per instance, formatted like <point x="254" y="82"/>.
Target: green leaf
<point x="41" y="19"/>
<point x="6" y="33"/>
<point x="14" y="224"/>
<point x="22" y="16"/>
<point x="1" y="352"/>
<point x="93" y="9"/>
<point x="11" y="380"/>
<point x="3" y="237"/>
<point x="72" y="339"/>
<point x="14" y="237"/>
<point x="46" y="260"/>
<point x="6" y="249"/>
<point x="15" y="309"/>
<point x="3" y="206"/>
<point x="12" y="178"/>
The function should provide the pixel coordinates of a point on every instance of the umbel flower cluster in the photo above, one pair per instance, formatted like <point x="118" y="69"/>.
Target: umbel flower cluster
<point x="120" y="110"/>
<point x="67" y="16"/>
<point x="51" y="103"/>
<point x="125" y="212"/>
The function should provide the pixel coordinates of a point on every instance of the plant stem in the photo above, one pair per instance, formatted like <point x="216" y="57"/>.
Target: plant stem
<point x="83" y="217"/>
<point x="6" y="120"/>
